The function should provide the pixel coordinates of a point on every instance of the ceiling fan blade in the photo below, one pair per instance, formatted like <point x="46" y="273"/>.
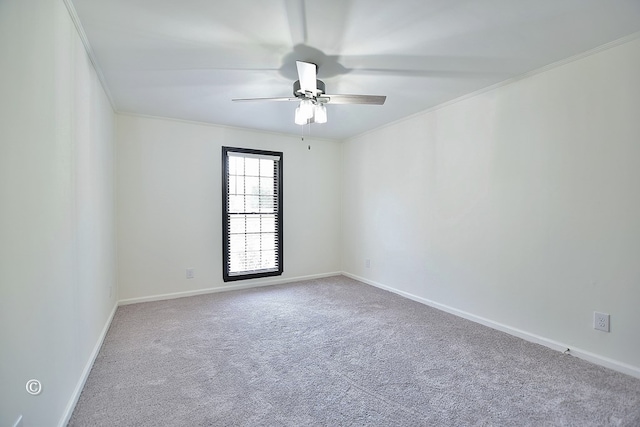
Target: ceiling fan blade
<point x="297" y="16"/>
<point x="307" y="77"/>
<point x="266" y="99"/>
<point x="354" y="99"/>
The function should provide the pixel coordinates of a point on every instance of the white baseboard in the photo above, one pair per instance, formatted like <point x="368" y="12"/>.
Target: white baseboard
<point x="226" y="288"/>
<point x="555" y="345"/>
<point x="66" y="416"/>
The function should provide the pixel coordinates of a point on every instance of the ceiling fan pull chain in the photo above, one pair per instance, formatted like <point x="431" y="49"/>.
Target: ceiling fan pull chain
<point x="302" y="130"/>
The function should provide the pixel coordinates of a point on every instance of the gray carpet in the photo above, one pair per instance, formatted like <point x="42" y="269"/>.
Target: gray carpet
<point x="335" y="352"/>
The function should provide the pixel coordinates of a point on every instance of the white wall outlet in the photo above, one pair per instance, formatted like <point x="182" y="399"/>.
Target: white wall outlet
<point x="367" y="263"/>
<point x="601" y="321"/>
<point x="190" y="273"/>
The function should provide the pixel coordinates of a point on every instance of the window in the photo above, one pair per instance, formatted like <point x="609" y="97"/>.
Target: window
<point x="251" y="213"/>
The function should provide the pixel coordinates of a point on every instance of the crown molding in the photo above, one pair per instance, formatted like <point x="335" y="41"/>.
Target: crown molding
<point x="87" y="47"/>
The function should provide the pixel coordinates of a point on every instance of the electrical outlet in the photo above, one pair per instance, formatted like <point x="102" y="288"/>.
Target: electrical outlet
<point x="367" y="263"/>
<point x="601" y="321"/>
<point x="190" y="273"/>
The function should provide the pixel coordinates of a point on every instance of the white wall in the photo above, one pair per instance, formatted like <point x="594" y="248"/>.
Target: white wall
<point x="169" y="204"/>
<point x="520" y="205"/>
<point x="57" y="232"/>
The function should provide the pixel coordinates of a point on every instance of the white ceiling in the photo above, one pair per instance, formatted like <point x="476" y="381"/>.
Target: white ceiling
<point x="187" y="59"/>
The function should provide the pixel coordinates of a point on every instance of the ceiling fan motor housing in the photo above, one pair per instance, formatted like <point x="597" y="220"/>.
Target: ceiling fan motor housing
<point x="296" y="87"/>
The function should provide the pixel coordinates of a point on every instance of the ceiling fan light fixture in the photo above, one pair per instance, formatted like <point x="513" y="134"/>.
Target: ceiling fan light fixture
<point x="320" y="113"/>
<point x="306" y="108"/>
<point x="300" y="119"/>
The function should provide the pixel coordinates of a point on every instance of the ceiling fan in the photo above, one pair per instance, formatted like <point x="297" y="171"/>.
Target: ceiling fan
<point x="310" y="93"/>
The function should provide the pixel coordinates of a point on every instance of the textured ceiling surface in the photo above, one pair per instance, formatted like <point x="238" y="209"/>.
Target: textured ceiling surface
<point x="187" y="59"/>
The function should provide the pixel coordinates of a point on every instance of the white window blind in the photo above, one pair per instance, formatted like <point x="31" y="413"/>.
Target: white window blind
<point x="252" y="217"/>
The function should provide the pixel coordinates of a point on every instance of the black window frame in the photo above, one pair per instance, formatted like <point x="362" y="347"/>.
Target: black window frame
<point x="251" y="274"/>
